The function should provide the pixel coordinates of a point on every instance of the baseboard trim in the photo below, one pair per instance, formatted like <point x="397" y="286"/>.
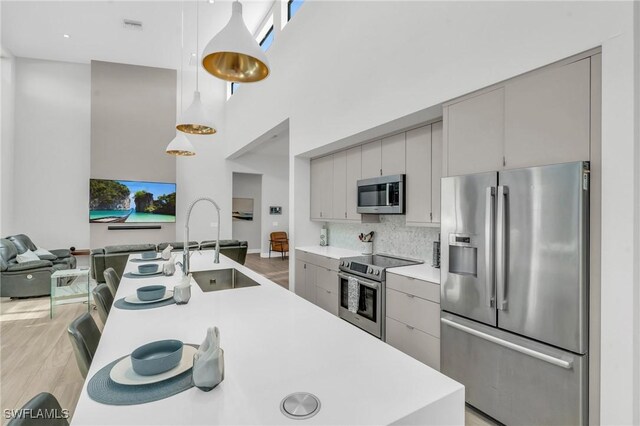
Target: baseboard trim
<point x="254" y="251"/>
<point x="274" y="254"/>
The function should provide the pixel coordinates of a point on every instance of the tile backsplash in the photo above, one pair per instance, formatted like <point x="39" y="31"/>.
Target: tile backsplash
<point x="392" y="236"/>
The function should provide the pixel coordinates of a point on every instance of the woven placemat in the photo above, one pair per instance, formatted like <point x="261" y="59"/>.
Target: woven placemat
<point x="130" y="275"/>
<point x="104" y="390"/>
<point x="122" y="304"/>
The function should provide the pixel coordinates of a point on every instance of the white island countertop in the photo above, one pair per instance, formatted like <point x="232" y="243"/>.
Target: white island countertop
<point x="275" y="343"/>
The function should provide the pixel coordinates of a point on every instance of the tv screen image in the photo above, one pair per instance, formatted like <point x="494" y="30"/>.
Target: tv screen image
<point x="120" y="201"/>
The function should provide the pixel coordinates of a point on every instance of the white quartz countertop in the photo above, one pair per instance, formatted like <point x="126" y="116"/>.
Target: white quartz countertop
<point x="330" y="251"/>
<point x="422" y="272"/>
<point x="275" y="343"/>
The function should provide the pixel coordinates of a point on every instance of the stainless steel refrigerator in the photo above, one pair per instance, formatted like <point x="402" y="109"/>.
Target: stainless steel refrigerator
<point x="514" y="292"/>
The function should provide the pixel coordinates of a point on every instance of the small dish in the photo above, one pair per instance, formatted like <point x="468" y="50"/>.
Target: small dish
<point x="150" y="293"/>
<point x="122" y="373"/>
<point x="149" y="268"/>
<point x="134" y="298"/>
<point x="156" y="357"/>
<point x="147" y="255"/>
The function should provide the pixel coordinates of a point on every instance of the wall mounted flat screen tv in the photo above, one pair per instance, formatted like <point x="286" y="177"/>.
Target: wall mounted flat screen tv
<point x="126" y="201"/>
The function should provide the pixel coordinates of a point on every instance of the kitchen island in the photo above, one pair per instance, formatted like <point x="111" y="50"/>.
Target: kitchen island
<point x="275" y="344"/>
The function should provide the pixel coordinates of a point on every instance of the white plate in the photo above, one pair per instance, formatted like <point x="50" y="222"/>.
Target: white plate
<point x="123" y="373"/>
<point x="134" y="298"/>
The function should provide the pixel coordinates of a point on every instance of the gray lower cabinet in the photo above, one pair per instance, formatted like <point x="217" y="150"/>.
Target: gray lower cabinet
<point x="305" y="285"/>
<point x="317" y="280"/>
<point x="413" y="318"/>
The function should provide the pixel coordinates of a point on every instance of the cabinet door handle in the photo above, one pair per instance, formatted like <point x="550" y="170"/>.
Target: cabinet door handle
<point x="409" y="327"/>
<point x="328" y="291"/>
<point x="410" y="296"/>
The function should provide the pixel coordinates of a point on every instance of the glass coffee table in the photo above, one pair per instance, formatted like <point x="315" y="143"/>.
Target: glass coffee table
<point x="68" y="286"/>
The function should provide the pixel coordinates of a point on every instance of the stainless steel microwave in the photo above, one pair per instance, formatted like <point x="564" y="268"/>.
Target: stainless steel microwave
<point x="381" y="195"/>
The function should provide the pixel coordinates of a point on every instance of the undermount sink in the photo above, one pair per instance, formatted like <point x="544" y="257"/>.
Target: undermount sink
<point x="222" y="279"/>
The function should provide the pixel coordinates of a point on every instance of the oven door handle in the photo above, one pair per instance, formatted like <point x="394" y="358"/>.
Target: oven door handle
<point x="366" y="283"/>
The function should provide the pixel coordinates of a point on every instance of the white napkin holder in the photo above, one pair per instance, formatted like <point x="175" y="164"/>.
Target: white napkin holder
<point x="182" y="291"/>
<point x="208" y="362"/>
<point x="166" y="253"/>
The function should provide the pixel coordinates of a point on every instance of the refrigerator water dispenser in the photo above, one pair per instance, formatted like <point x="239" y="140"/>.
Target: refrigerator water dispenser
<point x="463" y="255"/>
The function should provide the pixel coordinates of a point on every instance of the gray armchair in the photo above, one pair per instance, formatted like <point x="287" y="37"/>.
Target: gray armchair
<point x="25" y="279"/>
<point x="59" y="256"/>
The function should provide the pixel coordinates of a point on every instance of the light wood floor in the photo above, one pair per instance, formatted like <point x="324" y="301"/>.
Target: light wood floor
<point x="36" y="355"/>
<point x="276" y="269"/>
<point x="35" y="352"/>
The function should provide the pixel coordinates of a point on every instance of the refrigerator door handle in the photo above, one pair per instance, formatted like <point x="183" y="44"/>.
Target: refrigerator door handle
<point x="518" y="348"/>
<point x="489" y="231"/>
<point x="388" y="194"/>
<point x="501" y="243"/>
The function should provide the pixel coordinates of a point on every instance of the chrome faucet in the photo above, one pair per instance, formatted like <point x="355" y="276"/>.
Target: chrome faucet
<point x="185" y="251"/>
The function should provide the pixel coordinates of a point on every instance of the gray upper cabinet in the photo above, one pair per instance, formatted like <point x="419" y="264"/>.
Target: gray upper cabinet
<point x="436" y="170"/>
<point x="424" y="170"/>
<point x="371" y="159"/>
<point x="418" y="194"/>
<point x="322" y="188"/>
<point x="393" y="155"/>
<point x="475" y="134"/>
<point x="339" y="197"/>
<point x="536" y="119"/>
<point x="547" y="116"/>
<point x="354" y="174"/>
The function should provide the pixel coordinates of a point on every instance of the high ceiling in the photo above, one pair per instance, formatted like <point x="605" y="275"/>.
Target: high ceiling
<point x="36" y="29"/>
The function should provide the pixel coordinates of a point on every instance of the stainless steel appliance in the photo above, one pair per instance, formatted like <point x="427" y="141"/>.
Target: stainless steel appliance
<point x="514" y="292"/>
<point x="381" y="195"/>
<point x="370" y="271"/>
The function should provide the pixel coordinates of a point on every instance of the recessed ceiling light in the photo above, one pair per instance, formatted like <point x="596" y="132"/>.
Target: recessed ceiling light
<point x="66" y="36"/>
<point x="211" y="1"/>
<point x="193" y="54"/>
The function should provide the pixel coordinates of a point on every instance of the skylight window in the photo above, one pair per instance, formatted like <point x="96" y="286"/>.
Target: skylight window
<point x="293" y="7"/>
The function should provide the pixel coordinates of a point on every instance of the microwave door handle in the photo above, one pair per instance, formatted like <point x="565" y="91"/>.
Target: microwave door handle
<point x="501" y="248"/>
<point x="489" y="238"/>
<point x="388" y="194"/>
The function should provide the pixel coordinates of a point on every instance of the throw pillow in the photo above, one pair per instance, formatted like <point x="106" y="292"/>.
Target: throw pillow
<point x="27" y="256"/>
<point x="45" y="254"/>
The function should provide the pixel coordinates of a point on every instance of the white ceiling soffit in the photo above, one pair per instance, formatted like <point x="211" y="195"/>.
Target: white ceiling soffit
<point x="96" y="30"/>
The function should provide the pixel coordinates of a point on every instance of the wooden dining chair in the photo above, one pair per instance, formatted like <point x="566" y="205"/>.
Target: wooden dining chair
<point x="104" y="299"/>
<point x="45" y="405"/>
<point x="85" y="336"/>
<point x="112" y="279"/>
<point x="279" y="242"/>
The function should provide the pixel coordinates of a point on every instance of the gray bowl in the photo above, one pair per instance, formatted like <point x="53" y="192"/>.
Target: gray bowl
<point x="151" y="292"/>
<point x="156" y="357"/>
<point x="149" y="255"/>
<point x="149" y="268"/>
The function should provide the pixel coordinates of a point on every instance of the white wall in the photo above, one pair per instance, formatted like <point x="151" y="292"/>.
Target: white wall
<point x="7" y="93"/>
<point x="340" y="68"/>
<point x="51" y="153"/>
<point x="271" y="161"/>
<point x="247" y="185"/>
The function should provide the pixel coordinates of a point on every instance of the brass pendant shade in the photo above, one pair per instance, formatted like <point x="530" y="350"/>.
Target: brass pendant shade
<point x="194" y="120"/>
<point x="180" y="146"/>
<point x="233" y="54"/>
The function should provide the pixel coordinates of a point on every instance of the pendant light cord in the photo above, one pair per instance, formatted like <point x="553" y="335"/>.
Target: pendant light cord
<point x="197" y="41"/>
<point x="181" y="49"/>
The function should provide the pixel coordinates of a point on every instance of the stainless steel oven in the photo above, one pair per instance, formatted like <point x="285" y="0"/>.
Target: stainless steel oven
<point x="381" y="195"/>
<point x="370" y="305"/>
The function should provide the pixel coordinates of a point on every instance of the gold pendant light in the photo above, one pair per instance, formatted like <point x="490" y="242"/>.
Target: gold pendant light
<point x="194" y="120"/>
<point x="180" y="145"/>
<point x="233" y="54"/>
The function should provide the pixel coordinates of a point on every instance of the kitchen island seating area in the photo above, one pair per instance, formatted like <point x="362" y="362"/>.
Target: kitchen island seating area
<point x="384" y="387"/>
<point x="26" y="269"/>
<point x="116" y="256"/>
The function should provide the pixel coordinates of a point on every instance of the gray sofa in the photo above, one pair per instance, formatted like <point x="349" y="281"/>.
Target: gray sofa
<point x="233" y="249"/>
<point x="114" y="257"/>
<point x="58" y="256"/>
<point x="25" y="279"/>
